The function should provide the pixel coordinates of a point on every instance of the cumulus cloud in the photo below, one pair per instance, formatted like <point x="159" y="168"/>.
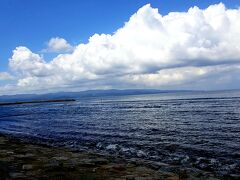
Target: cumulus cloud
<point x="58" y="45"/>
<point x="185" y="76"/>
<point x="26" y="63"/>
<point x="198" y="48"/>
<point x="5" y="76"/>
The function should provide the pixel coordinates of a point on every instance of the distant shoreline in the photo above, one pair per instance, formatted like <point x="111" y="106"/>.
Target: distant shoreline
<point x="36" y="101"/>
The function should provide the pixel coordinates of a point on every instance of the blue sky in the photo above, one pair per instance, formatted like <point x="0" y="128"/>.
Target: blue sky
<point x="33" y="23"/>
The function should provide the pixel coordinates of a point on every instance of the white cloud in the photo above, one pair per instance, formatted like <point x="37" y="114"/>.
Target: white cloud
<point x="5" y="76"/>
<point x="58" y="45"/>
<point x="182" y="49"/>
<point x="184" y="75"/>
<point x="25" y="63"/>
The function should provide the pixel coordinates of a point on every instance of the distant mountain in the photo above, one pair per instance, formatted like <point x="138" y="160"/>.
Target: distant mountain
<point x="82" y="94"/>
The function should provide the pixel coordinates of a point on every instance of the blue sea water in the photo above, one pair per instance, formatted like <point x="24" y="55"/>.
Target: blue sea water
<point x="200" y="129"/>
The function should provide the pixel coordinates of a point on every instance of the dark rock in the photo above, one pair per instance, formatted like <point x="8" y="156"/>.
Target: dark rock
<point x="87" y="163"/>
<point x="53" y="165"/>
<point x="100" y="161"/>
<point x="235" y="176"/>
<point x="61" y="158"/>
<point x="15" y="175"/>
<point x="3" y="170"/>
<point x="175" y="161"/>
<point x="27" y="167"/>
<point x="203" y="164"/>
<point x="71" y="165"/>
<point x="27" y="156"/>
<point x="156" y="166"/>
<point x="183" y="174"/>
<point x="115" y="167"/>
<point x="130" y="177"/>
<point x="119" y="167"/>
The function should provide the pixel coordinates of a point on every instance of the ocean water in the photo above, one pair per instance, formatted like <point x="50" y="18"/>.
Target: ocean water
<point x="200" y="129"/>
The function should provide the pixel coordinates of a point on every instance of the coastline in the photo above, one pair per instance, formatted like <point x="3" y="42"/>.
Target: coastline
<point x="24" y="160"/>
<point x="36" y="102"/>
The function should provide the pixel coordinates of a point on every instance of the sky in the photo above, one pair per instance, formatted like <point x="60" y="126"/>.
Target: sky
<point x="72" y="45"/>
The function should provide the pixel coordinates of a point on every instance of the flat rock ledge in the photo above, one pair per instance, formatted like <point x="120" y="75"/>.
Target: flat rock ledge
<point x="21" y="160"/>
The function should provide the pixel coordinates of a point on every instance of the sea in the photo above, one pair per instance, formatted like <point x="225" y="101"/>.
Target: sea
<point x="190" y="129"/>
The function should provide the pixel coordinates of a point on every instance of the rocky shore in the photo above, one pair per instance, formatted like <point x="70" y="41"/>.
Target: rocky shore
<point x="24" y="160"/>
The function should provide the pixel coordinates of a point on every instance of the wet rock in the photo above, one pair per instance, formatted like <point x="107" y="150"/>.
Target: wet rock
<point x="113" y="147"/>
<point x="235" y="176"/>
<point x="166" y="175"/>
<point x="16" y="175"/>
<point x="233" y="166"/>
<point x="183" y="174"/>
<point x="100" y="161"/>
<point x="3" y="170"/>
<point x="53" y="165"/>
<point x="69" y="165"/>
<point x="172" y="148"/>
<point x="185" y="160"/>
<point x="27" y="156"/>
<point x="236" y="155"/>
<point x="168" y="168"/>
<point x="129" y="177"/>
<point x="99" y="145"/>
<point x="212" y="178"/>
<point x="176" y="161"/>
<point x="157" y="165"/>
<point x="115" y="167"/>
<point x="142" y="169"/>
<point x="87" y="163"/>
<point x="227" y="169"/>
<point x="145" y="177"/>
<point x="215" y="164"/>
<point x="203" y="164"/>
<point x="8" y="153"/>
<point x="7" y="159"/>
<point x="61" y="158"/>
<point x="119" y="167"/>
<point x="128" y="152"/>
<point x="141" y="154"/>
<point x="27" y="167"/>
<point x="124" y="150"/>
<point x="3" y="175"/>
<point x="161" y="165"/>
<point x="2" y="151"/>
<point x="153" y="166"/>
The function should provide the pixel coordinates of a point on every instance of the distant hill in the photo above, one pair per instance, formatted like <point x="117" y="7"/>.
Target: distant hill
<point x="82" y="94"/>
